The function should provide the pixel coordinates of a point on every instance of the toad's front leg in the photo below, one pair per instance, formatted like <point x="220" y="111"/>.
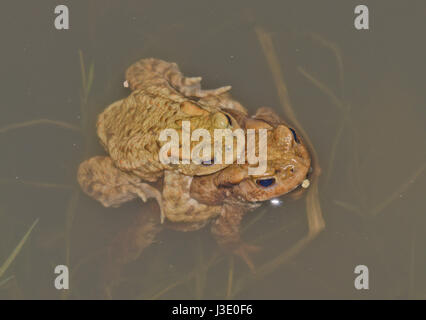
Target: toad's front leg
<point x="100" y="179"/>
<point x="226" y="230"/>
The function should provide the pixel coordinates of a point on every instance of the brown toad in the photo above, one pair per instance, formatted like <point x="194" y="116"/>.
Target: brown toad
<point x="129" y="130"/>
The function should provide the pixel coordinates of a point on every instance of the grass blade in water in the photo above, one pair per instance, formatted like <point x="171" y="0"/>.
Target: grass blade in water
<point x="16" y="251"/>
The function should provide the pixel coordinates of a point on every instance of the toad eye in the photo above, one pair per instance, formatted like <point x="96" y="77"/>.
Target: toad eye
<point x="265" y="182"/>
<point x="207" y="163"/>
<point x="294" y="135"/>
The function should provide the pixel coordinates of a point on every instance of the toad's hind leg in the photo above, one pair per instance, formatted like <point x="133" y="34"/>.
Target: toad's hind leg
<point x="126" y="247"/>
<point x="148" y="72"/>
<point x="226" y="230"/>
<point x="101" y="180"/>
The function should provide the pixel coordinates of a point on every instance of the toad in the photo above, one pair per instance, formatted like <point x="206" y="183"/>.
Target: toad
<point x="129" y="130"/>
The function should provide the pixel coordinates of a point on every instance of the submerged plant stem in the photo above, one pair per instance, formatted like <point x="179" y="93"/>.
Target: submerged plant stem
<point x="36" y="184"/>
<point x="335" y="50"/>
<point x="5" y="281"/>
<point x="315" y="219"/>
<point x="334" y="99"/>
<point x="347" y="206"/>
<point x="17" y="249"/>
<point x="87" y="79"/>
<point x="201" y="272"/>
<point x="338" y="103"/>
<point x="230" y="278"/>
<point x="31" y="123"/>
<point x="401" y="189"/>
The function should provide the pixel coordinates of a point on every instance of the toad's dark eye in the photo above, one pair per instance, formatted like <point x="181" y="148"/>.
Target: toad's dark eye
<point x="265" y="182"/>
<point x="229" y="119"/>
<point x="294" y="135"/>
<point x="207" y="163"/>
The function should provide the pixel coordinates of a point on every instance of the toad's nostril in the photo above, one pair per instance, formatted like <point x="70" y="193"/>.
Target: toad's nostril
<point x="265" y="182"/>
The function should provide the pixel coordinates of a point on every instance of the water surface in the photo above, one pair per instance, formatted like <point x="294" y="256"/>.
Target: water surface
<point x="371" y="146"/>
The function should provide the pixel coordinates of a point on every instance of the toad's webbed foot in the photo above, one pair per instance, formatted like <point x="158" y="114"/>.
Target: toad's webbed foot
<point x="244" y="251"/>
<point x="226" y="230"/>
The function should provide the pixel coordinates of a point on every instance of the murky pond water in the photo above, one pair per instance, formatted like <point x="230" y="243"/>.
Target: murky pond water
<point x="359" y="95"/>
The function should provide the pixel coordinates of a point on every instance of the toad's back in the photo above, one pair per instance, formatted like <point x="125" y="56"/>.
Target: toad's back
<point x="129" y="129"/>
